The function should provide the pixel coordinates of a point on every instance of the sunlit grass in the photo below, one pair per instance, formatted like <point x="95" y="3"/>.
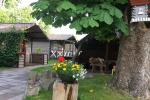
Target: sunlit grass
<point x="95" y="88"/>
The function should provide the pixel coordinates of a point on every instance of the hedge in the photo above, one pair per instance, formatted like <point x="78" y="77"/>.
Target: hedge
<point x="9" y="48"/>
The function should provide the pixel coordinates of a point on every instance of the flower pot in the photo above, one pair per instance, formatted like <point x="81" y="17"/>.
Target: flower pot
<point x="62" y="91"/>
<point x="67" y="79"/>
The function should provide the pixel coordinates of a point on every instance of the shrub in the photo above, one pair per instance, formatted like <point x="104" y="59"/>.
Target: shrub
<point x="9" y="48"/>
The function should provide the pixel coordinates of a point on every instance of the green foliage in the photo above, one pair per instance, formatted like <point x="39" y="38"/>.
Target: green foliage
<point x="9" y="48"/>
<point x="39" y="50"/>
<point x="15" y="15"/>
<point x="11" y="3"/>
<point x="100" y="18"/>
<point x="10" y="13"/>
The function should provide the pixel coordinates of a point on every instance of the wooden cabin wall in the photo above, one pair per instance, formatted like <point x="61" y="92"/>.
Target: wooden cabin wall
<point x="94" y="48"/>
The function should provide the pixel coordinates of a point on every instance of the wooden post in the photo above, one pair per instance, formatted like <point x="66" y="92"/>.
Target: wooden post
<point x="63" y="91"/>
<point x="49" y="49"/>
<point x="64" y="48"/>
<point x="31" y="51"/>
<point x="106" y="56"/>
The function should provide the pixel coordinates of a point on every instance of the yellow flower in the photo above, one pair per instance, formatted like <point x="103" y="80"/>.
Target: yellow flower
<point x="64" y="65"/>
<point x="78" y="66"/>
<point x="73" y="65"/>
<point x="56" y="68"/>
<point x="59" y="65"/>
<point x="64" y="69"/>
<point x="73" y="68"/>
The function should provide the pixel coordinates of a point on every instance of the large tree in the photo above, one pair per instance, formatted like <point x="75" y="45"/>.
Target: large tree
<point x="103" y="19"/>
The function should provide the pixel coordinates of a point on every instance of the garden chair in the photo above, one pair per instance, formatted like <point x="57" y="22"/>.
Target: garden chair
<point x="97" y="62"/>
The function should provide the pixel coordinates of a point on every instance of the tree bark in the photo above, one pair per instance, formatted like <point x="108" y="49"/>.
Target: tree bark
<point x="63" y="91"/>
<point x="133" y="64"/>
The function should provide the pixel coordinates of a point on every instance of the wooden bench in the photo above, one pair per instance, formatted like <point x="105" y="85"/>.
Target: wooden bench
<point x="97" y="62"/>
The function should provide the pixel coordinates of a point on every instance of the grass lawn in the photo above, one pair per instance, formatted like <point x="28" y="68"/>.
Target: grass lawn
<point x="40" y="69"/>
<point x="91" y="89"/>
<point x="43" y="69"/>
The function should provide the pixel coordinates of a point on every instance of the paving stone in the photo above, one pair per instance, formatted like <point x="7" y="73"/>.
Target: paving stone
<point x="13" y="83"/>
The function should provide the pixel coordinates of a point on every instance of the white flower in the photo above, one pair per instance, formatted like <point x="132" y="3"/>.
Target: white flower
<point x="73" y="76"/>
<point x="77" y="75"/>
<point x="83" y="73"/>
<point x="76" y="79"/>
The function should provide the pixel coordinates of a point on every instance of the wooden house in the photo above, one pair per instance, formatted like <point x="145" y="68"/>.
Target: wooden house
<point x="91" y="47"/>
<point x="38" y="47"/>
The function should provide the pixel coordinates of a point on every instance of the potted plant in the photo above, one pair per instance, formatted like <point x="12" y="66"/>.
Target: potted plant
<point x="69" y="73"/>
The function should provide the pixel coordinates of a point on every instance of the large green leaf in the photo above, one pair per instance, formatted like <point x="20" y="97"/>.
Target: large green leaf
<point x="76" y="25"/>
<point x="65" y="5"/>
<point x="122" y="26"/>
<point x="84" y="22"/>
<point x="93" y="23"/>
<point x="107" y="18"/>
<point x="99" y="15"/>
<point x="118" y="13"/>
<point x="47" y="19"/>
<point x="41" y="5"/>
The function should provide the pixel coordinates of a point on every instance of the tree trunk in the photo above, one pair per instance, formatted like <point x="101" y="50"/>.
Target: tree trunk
<point x="133" y="67"/>
<point x="63" y="91"/>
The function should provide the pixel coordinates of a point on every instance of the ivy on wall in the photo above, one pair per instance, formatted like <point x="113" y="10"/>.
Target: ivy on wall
<point x="9" y="48"/>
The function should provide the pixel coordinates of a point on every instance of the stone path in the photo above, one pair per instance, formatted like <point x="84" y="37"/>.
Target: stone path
<point x="13" y="83"/>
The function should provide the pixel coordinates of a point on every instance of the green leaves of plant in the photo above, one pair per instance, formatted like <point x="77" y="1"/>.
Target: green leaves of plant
<point x="76" y="25"/>
<point x="41" y="5"/>
<point x="47" y="19"/>
<point x="118" y="13"/>
<point x="122" y="26"/>
<point x="93" y="23"/>
<point x="108" y="19"/>
<point x="65" y="5"/>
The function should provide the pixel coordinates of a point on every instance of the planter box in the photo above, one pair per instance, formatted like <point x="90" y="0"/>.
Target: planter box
<point x="39" y="58"/>
<point x="63" y="91"/>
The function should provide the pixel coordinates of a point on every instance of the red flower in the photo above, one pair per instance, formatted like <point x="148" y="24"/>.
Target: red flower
<point x="61" y="59"/>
